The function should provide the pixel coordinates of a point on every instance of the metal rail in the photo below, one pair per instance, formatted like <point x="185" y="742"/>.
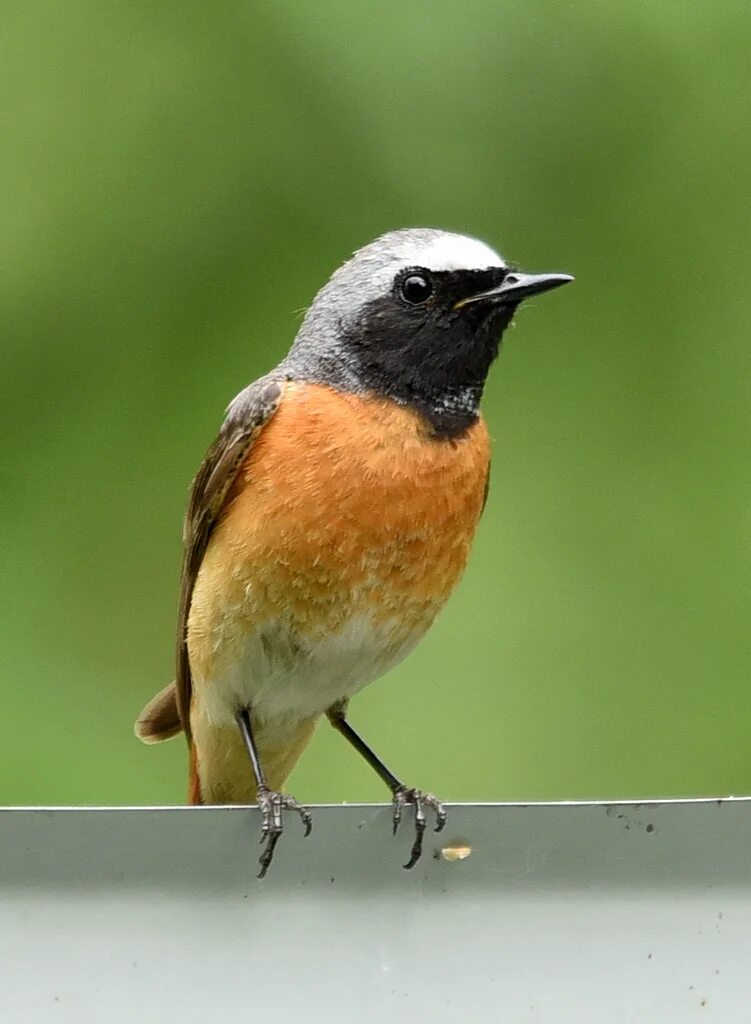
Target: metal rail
<point x="574" y="912"/>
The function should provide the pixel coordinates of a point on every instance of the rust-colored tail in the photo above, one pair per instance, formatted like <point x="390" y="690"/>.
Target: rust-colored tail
<point x="160" y="721"/>
<point x="194" y="784"/>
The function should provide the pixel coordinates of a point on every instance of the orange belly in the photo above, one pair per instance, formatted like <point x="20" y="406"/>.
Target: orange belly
<point x="347" y="529"/>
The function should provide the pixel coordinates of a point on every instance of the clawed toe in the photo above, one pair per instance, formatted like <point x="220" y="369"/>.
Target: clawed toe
<point x="272" y="806"/>
<point x="419" y="801"/>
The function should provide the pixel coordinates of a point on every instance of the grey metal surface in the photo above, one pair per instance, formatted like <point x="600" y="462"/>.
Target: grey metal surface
<point x="562" y="913"/>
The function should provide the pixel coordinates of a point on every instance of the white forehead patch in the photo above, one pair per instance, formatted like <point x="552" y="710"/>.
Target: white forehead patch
<point x="442" y="250"/>
<point x="373" y="268"/>
<point x="371" y="271"/>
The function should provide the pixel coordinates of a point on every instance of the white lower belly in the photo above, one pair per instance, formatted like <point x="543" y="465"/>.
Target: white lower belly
<point x="279" y="674"/>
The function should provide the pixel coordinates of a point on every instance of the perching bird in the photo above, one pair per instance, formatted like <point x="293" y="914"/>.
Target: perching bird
<point x="333" y="516"/>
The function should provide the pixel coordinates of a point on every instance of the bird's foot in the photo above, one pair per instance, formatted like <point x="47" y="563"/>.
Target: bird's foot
<point x="272" y="805"/>
<point x="419" y="801"/>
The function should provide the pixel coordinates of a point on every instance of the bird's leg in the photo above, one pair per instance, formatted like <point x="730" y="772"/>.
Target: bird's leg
<point x="270" y="803"/>
<point x="400" y="794"/>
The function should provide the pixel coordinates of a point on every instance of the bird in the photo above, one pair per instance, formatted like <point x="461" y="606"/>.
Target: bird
<point x="332" y="517"/>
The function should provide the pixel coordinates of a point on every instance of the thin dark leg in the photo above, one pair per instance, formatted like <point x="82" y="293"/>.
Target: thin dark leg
<point x="342" y="726"/>
<point x="401" y="794"/>
<point x="246" y="731"/>
<point x="270" y="803"/>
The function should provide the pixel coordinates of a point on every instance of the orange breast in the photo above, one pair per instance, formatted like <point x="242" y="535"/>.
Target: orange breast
<point x="345" y="504"/>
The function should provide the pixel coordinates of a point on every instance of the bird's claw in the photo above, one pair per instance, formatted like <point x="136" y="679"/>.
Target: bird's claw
<point x="419" y="801"/>
<point x="272" y="805"/>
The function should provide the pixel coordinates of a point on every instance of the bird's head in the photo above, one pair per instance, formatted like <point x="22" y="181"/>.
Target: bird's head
<point x="416" y="316"/>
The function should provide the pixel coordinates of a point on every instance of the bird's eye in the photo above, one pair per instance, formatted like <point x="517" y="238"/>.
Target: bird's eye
<point x="416" y="288"/>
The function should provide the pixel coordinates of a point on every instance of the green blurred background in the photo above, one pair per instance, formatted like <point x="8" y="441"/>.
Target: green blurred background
<point x="177" y="180"/>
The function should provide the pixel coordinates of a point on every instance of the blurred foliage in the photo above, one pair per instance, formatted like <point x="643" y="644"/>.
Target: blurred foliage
<point x="177" y="181"/>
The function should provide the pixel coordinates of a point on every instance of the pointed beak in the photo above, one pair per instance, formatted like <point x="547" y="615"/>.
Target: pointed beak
<point x="517" y="286"/>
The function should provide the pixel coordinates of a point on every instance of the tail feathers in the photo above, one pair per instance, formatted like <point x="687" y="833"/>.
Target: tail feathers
<point x="159" y="720"/>
<point x="194" y="783"/>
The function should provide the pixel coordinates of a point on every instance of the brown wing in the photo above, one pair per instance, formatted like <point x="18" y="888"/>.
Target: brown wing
<point x="246" y="417"/>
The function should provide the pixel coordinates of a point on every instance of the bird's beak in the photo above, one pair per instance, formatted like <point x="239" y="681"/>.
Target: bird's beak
<point x="516" y="286"/>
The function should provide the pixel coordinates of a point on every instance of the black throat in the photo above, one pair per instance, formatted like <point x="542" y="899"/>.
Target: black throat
<point x="433" y="358"/>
